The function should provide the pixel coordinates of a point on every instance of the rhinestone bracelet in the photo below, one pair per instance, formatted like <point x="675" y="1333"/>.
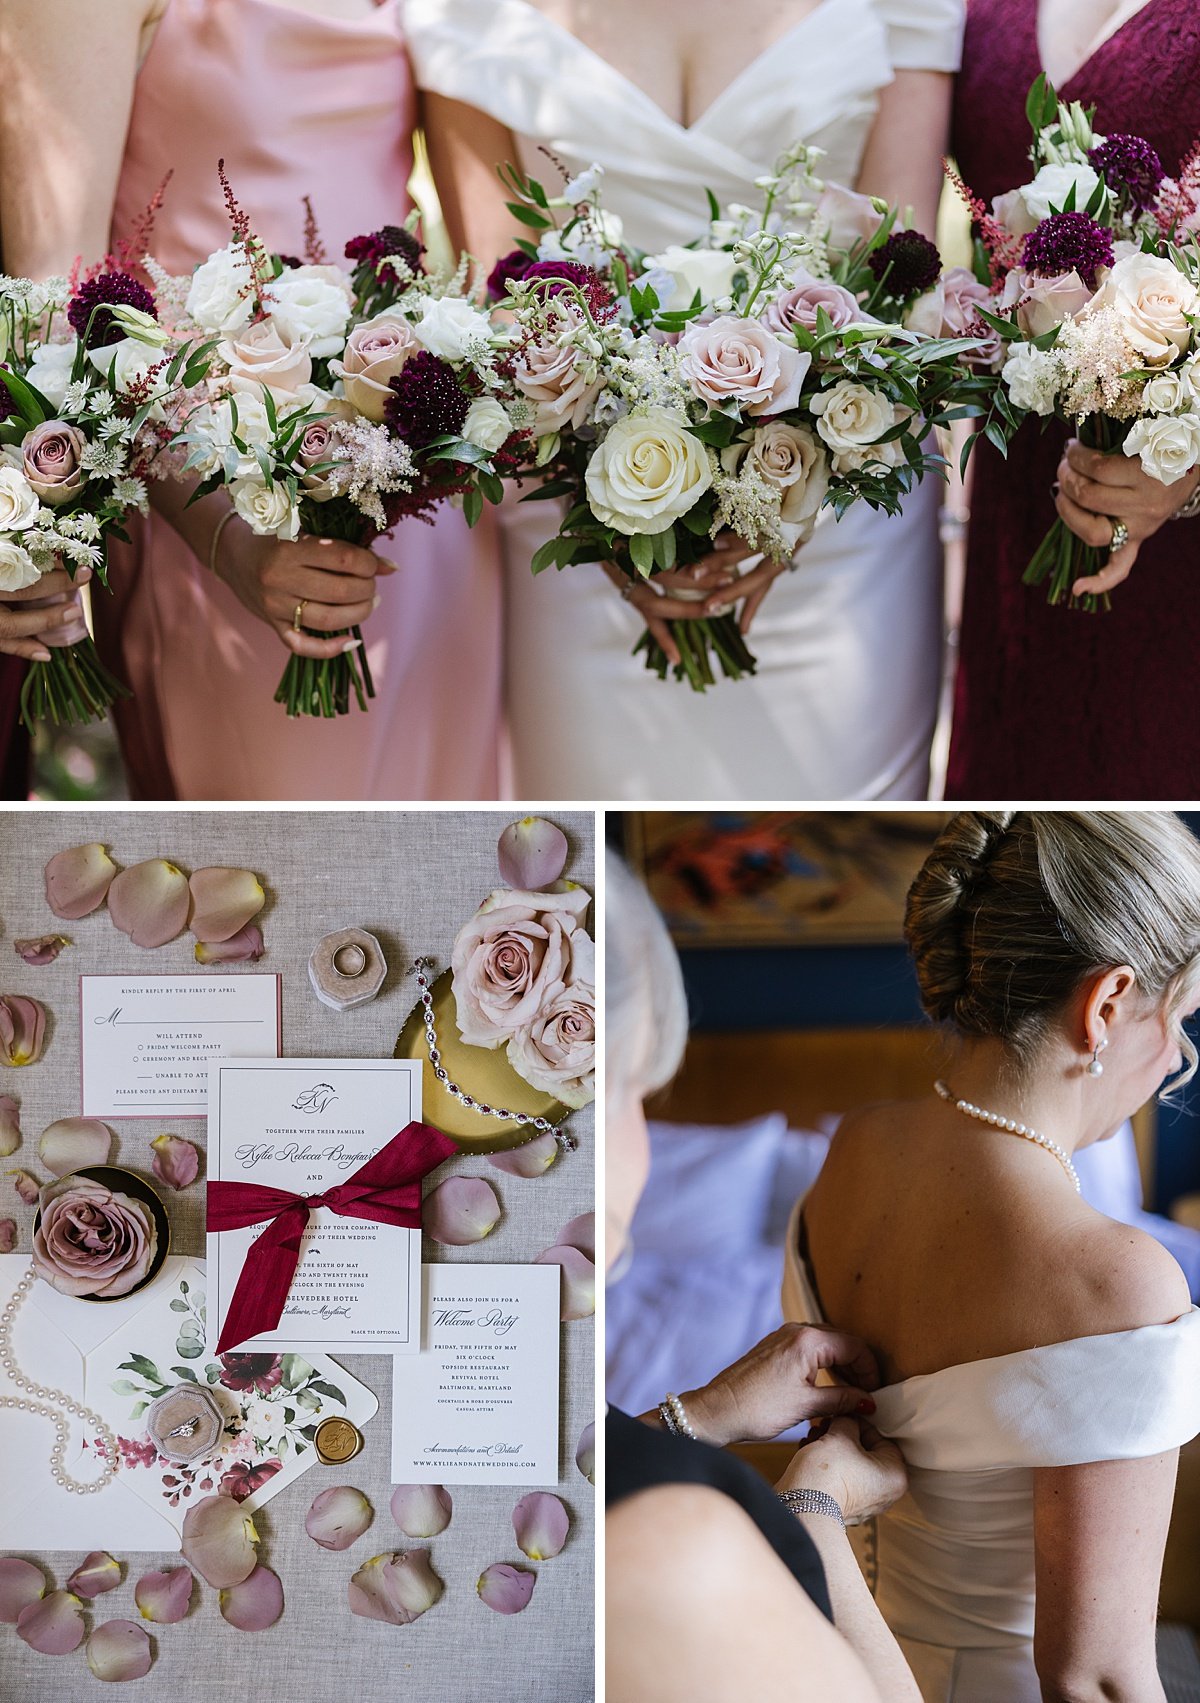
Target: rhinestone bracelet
<point x="566" y="1141"/>
<point x="812" y="1502"/>
<point x="675" y="1418"/>
<point x="1189" y="509"/>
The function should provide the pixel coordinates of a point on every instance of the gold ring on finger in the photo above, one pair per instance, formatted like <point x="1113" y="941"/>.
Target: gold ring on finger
<point x="1120" y="536"/>
<point x="298" y="614"/>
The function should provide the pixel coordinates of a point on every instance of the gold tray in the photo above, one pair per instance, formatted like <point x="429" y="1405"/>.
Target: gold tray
<point x="485" y="1075"/>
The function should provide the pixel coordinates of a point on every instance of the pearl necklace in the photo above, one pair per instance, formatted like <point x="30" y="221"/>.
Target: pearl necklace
<point x="1012" y="1126"/>
<point x="566" y="1141"/>
<point x="58" y="1454"/>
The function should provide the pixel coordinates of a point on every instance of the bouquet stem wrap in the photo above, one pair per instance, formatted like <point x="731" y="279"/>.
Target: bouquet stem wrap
<point x="321" y="686"/>
<point x="1062" y="557"/>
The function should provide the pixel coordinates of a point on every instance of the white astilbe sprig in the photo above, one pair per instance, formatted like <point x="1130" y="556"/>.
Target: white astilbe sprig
<point x="1093" y="357"/>
<point x="749" y="507"/>
<point x="371" y="463"/>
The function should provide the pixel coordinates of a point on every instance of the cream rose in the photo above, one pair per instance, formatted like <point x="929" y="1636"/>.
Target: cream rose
<point x="648" y="473"/>
<point x="850" y="418"/>
<point x="556" y="1053"/>
<point x="1052" y="186"/>
<point x="17" y="567"/>
<point x="514" y="958"/>
<point x="448" y="326"/>
<point x="1166" y="392"/>
<point x="1010" y="211"/>
<point x="709" y="270"/>
<point x="266" y="509"/>
<point x="18" y="501"/>
<point x="487" y="426"/>
<point x="740" y="360"/>
<point x="313" y="303"/>
<point x="52" y="453"/>
<point x="1031" y="377"/>
<point x="549" y="376"/>
<point x="790" y="459"/>
<point x="375" y="353"/>
<point x="263" y="354"/>
<point x="1152" y="300"/>
<point x="221" y="293"/>
<point x="1168" y="445"/>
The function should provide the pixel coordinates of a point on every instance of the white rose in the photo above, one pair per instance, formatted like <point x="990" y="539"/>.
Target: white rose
<point x="487" y="425"/>
<point x="220" y="297"/>
<point x="648" y="472"/>
<point x="129" y="362"/>
<point x="213" y="424"/>
<point x="1032" y="378"/>
<point x="1165" y="393"/>
<point x="17" y="567"/>
<point x="790" y="459"/>
<point x="1168" y="445"/>
<point x="448" y="326"/>
<point x="1052" y="187"/>
<point x="850" y="418"/>
<point x="709" y="270"/>
<point x="1189" y="377"/>
<point x="50" y="370"/>
<point x="311" y="303"/>
<point x="266" y="509"/>
<point x="1152" y="300"/>
<point x="19" y="502"/>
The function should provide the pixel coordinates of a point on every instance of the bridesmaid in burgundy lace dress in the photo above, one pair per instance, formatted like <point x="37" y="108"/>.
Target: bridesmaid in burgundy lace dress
<point x="1052" y="703"/>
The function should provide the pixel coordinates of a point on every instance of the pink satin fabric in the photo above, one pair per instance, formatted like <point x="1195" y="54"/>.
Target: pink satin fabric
<point x="297" y="105"/>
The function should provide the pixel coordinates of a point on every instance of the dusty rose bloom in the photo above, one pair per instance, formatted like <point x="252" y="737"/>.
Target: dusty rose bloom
<point x="740" y="360"/>
<point x="798" y="305"/>
<point x="557" y="1051"/>
<point x="550" y="377"/>
<point x="51" y="455"/>
<point x="514" y="957"/>
<point x="91" y="1240"/>
<point x="376" y="351"/>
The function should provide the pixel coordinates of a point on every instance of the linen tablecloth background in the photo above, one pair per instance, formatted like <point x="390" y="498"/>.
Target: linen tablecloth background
<point x="412" y="878"/>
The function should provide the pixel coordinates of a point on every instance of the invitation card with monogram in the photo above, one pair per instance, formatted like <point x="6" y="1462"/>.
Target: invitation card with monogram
<point x="479" y="1404"/>
<point x="147" y="1041"/>
<point x="314" y="1203"/>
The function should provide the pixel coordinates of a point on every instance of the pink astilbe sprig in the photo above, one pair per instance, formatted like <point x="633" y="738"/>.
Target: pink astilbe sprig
<point x="1179" y="201"/>
<point x="261" y="273"/>
<point x="131" y="250"/>
<point x="1003" y="249"/>
<point x="315" y="252"/>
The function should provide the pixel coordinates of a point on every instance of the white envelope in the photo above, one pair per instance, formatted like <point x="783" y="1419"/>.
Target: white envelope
<point x="114" y="1356"/>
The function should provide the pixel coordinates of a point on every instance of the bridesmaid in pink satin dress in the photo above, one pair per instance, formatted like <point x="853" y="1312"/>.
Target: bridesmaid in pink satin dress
<point x="297" y="102"/>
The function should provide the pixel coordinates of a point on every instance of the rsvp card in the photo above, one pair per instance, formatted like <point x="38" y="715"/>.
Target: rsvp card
<point x="305" y="1125"/>
<point x="479" y="1404"/>
<point x="148" y="1040"/>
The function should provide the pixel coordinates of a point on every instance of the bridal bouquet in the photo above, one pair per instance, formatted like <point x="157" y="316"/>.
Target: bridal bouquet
<point x="337" y="403"/>
<point x="1096" y="281"/>
<point x="741" y="383"/>
<point x="89" y="380"/>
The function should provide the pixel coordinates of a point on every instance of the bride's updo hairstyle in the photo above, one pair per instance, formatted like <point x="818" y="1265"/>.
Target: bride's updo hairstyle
<point x="1012" y="910"/>
<point x="645" y="1005"/>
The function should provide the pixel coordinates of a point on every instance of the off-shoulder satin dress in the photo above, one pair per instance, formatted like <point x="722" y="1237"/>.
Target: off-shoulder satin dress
<point x="297" y="104"/>
<point x="849" y="644"/>
<point x="955" y="1556"/>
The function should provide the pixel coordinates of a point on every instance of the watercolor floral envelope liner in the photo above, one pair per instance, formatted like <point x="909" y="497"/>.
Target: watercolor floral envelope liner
<point x="117" y="1356"/>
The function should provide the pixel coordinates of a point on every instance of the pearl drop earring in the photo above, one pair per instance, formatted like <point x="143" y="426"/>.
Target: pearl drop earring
<point x="1095" y="1068"/>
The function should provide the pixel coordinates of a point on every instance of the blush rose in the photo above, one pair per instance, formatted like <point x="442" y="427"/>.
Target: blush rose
<point x="513" y="958"/>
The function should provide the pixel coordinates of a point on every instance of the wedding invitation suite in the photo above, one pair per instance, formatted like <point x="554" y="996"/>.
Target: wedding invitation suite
<point x="147" y="1041"/>
<point x="479" y="1404"/>
<point x="305" y="1126"/>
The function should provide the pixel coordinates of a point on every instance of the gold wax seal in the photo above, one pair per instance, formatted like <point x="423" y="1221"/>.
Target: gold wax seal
<point x="337" y="1440"/>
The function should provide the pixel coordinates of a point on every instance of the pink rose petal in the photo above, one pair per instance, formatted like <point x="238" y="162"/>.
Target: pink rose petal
<point x="585" y="1452"/>
<point x="532" y="853"/>
<point x="421" y="1510"/>
<point x="22" y="1030"/>
<point x="97" y="1573"/>
<point x="579" y="1281"/>
<point x="150" y="902"/>
<point x="78" y="880"/>
<point x="395" y="1588"/>
<point x="338" y="1517"/>
<point x="118" y="1650"/>
<point x="27" y="1186"/>
<point x="244" y="947"/>
<point x="10" y="1125"/>
<point x="256" y="1603"/>
<point x="53" y="1626"/>
<point x="506" y="1589"/>
<point x="71" y="1144"/>
<point x="219" y="1541"/>
<point x="44" y="950"/>
<point x="8" y="1235"/>
<point x="541" y="1523"/>
<point x="224" y="900"/>
<point x="528" y="1160"/>
<point x="21" y="1584"/>
<point x="176" y="1161"/>
<point x="461" y="1210"/>
<point x="580" y="1233"/>
<point x="164" y="1598"/>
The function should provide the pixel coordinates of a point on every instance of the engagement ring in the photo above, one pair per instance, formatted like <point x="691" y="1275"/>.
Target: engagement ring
<point x="1120" y="536"/>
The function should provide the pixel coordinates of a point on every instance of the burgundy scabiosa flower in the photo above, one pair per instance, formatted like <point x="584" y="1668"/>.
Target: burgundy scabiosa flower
<point x="391" y="239"/>
<point x="910" y="263"/>
<point x="600" y="300"/>
<point x="1067" y="242"/>
<point x="510" y="268"/>
<point x="251" y="1371"/>
<point x="427" y="400"/>
<point x="1130" y="165"/>
<point x="7" y="406"/>
<point x="97" y="293"/>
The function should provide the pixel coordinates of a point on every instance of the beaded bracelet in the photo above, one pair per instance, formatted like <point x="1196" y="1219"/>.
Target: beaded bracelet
<point x="675" y="1418"/>
<point x="812" y="1502"/>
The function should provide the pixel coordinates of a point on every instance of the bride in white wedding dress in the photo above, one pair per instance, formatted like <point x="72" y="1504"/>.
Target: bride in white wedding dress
<point x="1041" y="1362"/>
<point x="849" y="642"/>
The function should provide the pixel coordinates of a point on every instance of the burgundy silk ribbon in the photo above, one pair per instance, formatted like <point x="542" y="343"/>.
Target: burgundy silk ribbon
<point x="386" y="1189"/>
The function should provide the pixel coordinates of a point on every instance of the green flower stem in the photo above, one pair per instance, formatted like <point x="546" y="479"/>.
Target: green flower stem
<point x="1062" y="557"/>
<point x="315" y="686"/>
<point x="74" y="686"/>
<point x="699" y="642"/>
